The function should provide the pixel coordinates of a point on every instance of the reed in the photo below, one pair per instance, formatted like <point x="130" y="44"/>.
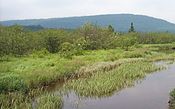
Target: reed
<point x="107" y="82"/>
<point x="36" y="99"/>
<point x="49" y="101"/>
<point x="95" y="73"/>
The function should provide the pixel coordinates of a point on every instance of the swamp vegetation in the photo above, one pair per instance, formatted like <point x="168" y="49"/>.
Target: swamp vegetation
<point x="91" y="60"/>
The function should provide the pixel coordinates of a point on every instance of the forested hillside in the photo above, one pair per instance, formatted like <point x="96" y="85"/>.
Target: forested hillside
<point x="120" y="22"/>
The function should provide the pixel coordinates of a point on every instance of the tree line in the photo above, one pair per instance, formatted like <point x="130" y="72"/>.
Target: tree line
<point x="16" y="40"/>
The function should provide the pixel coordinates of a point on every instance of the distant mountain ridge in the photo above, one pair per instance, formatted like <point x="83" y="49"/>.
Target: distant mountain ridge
<point x="121" y="22"/>
<point x="33" y="27"/>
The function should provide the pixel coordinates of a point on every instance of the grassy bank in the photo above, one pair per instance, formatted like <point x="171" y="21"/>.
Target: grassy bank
<point x="42" y="69"/>
<point x="105" y="71"/>
<point x="107" y="82"/>
<point x="21" y="101"/>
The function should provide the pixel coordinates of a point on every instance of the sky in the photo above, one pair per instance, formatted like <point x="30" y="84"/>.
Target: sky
<point x="36" y="9"/>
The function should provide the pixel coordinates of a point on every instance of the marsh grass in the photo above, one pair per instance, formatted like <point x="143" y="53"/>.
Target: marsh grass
<point x="89" y="70"/>
<point x="98" y="73"/>
<point x="35" y="99"/>
<point x="29" y="72"/>
<point x="12" y="82"/>
<point x="49" y="101"/>
<point x="42" y="68"/>
<point x="14" y="101"/>
<point x="107" y="82"/>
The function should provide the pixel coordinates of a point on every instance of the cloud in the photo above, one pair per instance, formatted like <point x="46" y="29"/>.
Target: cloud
<point x="27" y="9"/>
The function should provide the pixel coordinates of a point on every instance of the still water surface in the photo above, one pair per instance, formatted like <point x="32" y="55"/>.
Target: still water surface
<point x="151" y="93"/>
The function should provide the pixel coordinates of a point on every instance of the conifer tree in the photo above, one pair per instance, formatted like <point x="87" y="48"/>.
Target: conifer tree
<point x="132" y="29"/>
<point x="110" y="28"/>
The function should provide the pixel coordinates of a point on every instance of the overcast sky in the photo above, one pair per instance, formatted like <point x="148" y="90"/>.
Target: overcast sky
<point x="35" y="9"/>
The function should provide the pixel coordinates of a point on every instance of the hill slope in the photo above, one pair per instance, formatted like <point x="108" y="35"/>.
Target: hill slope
<point x="121" y="22"/>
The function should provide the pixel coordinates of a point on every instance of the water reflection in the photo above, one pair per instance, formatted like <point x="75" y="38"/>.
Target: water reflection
<point x="151" y="93"/>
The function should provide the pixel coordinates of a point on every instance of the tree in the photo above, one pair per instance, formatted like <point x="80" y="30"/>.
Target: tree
<point x="111" y="29"/>
<point x="87" y="30"/>
<point x="132" y="29"/>
<point x="96" y="37"/>
<point x="52" y="44"/>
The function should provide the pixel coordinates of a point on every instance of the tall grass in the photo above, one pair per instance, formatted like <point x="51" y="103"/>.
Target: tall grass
<point x="24" y="73"/>
<point x="105" y="83"/>
<point x="100" y="72"/>
<point x="41" y="70"/>
<point x="15" y="101"/>
<point x="49" y="101"/>
<point x="36" y="100"/>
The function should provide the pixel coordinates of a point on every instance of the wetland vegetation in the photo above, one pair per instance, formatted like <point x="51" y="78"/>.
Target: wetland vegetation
<point x="105" y="83"/>
<point x="91" y="60"/>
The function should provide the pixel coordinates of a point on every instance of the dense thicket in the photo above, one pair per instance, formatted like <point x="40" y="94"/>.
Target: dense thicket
<point x="96" y="37"/>
<point x="156" y="38"/>
<point x="15" y="40"/>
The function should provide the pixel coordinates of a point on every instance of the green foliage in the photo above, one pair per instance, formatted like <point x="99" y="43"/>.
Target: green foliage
<point x="14" y="40"/>
<point x="67" y="50"/>
<point x="43" y="68"/>
<point x="44" y="100"/>
<point x="40" y="54"/>
<point x="103" y="83"/>
<point x="134" y="54"/>
<point x="52" y="44"/>
<point x="96" y="37"/>
<point x="86" y="49"/>
<point x="12" y="82"/>
<point x="132" y="29"/>
<point x="156" y="38"/>
<point x="49" y="101"/>
<point x="15" y="101"/>
<point x="79" y="45"/>
<point x="111" y="29"/>
<point x="126" y="41"/>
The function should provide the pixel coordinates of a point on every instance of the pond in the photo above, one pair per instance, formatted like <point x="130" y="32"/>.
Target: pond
<point x="150" y="93"/>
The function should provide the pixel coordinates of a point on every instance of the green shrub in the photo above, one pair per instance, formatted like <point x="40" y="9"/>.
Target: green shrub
<point x="40" y="54"/>
<point x="112" y="56"/>
<point x="67" y="50"/>
<point x="12" y="82"/>
<point x="79" y="46"/>
<point x="126" y="41"/>
<point x="4" y="58"/>
<point x="134" y="54"/>
<point x="96" y="37"/>
<point x="52" y="43"/>
<point x="156" y="38"/>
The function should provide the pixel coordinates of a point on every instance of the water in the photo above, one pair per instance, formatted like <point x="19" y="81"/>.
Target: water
<point x="151" y="93"/>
